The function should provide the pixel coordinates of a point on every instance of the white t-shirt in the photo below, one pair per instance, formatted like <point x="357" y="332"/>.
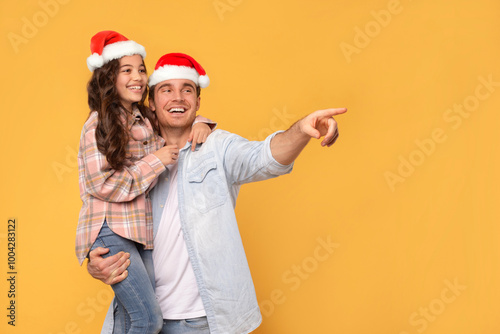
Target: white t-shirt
<point x="176" y="288"/>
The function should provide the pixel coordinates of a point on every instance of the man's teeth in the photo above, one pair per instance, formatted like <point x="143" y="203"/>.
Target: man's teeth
<point x="176" y="110"/>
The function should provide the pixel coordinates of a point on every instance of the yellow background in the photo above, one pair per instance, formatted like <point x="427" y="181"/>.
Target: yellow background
<point x="410" y="212"/>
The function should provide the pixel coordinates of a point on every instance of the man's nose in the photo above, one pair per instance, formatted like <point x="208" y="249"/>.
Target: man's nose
<point x="178" y="95"/>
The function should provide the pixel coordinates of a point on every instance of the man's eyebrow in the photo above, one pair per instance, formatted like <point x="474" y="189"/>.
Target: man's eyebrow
<point x="189" y="85"/>
<point x="164" y="85"/>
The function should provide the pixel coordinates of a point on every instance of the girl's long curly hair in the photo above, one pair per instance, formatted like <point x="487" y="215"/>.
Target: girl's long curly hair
<point x="111" y="134"/>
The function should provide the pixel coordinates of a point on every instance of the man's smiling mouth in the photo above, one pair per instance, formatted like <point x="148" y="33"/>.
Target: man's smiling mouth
<point x="176" y="110"/>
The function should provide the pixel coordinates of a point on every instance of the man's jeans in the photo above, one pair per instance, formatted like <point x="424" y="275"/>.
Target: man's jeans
<point x="135" y="294"/>
<point x="187" y="326"/>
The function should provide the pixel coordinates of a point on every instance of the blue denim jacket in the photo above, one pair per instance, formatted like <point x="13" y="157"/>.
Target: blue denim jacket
<point x="209" y="180"/>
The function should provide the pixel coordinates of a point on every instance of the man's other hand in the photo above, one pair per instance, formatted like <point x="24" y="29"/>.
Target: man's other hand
<point x="110" y="270"/>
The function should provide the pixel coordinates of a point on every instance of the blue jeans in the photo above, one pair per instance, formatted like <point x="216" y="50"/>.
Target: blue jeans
<point x="187" y="326"/>
<point x="135" y="294"/>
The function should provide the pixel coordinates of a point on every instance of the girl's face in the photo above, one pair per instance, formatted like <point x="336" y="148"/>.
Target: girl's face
<point x="131" y="80"/>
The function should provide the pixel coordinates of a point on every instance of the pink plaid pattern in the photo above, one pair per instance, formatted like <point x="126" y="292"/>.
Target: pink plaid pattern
<point x="120" y="197"/>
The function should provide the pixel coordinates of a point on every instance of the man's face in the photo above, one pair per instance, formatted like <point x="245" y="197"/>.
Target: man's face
<point x="175" y="103"/>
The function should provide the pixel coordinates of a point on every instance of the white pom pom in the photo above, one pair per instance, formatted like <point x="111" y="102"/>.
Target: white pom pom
<point x="203" y="81"/>
<point x="94" y="61"/>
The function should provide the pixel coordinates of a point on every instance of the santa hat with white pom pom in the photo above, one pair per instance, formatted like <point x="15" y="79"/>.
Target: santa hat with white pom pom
<point x="179" y="66"/>
<point x="108" y="45"/>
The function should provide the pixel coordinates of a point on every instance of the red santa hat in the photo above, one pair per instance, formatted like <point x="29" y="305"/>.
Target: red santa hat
<point x="108" y="45"/>
<point x="179" y="66"/>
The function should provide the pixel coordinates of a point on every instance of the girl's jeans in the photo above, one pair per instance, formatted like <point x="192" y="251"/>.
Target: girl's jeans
<point x="135" y="294"/>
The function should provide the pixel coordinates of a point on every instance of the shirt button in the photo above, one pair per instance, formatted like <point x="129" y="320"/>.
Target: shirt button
<point x="145" y="142"/>
<point x="166" y="179"/>
<point x="161" y="205"/>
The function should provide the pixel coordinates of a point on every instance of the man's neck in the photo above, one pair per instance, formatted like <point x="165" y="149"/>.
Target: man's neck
<point x="175" y="136"/>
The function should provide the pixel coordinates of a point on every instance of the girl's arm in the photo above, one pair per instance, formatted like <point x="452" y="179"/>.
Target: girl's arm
<point x="107" y="184"/>
<point x="201" y="129"/>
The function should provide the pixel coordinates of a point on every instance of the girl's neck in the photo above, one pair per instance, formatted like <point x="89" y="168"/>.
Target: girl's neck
<point x="128" y="108"/>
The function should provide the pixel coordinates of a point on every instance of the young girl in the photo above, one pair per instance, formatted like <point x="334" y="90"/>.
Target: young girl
<point x="120" y="158"/>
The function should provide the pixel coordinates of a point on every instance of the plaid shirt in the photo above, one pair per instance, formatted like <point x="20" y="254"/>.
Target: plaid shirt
<point x="121" y="197"/>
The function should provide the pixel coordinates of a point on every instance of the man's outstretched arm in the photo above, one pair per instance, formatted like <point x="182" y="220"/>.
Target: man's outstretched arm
<point x="286" y="146"/>
<point x="110" y="270"/>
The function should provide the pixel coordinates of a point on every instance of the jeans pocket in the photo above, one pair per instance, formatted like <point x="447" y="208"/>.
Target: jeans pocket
<point x="198" y="323"/>
<point x="98" y="243"/>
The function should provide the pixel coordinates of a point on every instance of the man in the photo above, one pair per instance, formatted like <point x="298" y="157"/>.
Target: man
<point x="202" y="277"/>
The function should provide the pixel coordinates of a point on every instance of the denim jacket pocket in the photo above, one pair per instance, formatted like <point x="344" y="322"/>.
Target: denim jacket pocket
<point x="206" y="187"/>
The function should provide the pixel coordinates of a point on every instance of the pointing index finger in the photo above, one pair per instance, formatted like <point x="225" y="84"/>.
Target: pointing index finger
<point x="333" y="111"/>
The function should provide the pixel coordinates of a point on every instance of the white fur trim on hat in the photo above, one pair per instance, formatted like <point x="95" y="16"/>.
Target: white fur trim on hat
<point x="168" y="72"/>
<point x="120" y="49"/>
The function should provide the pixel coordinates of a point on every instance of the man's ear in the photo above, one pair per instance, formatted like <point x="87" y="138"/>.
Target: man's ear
<point x="198" y="103"/>
<point x="152" y="105"/>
